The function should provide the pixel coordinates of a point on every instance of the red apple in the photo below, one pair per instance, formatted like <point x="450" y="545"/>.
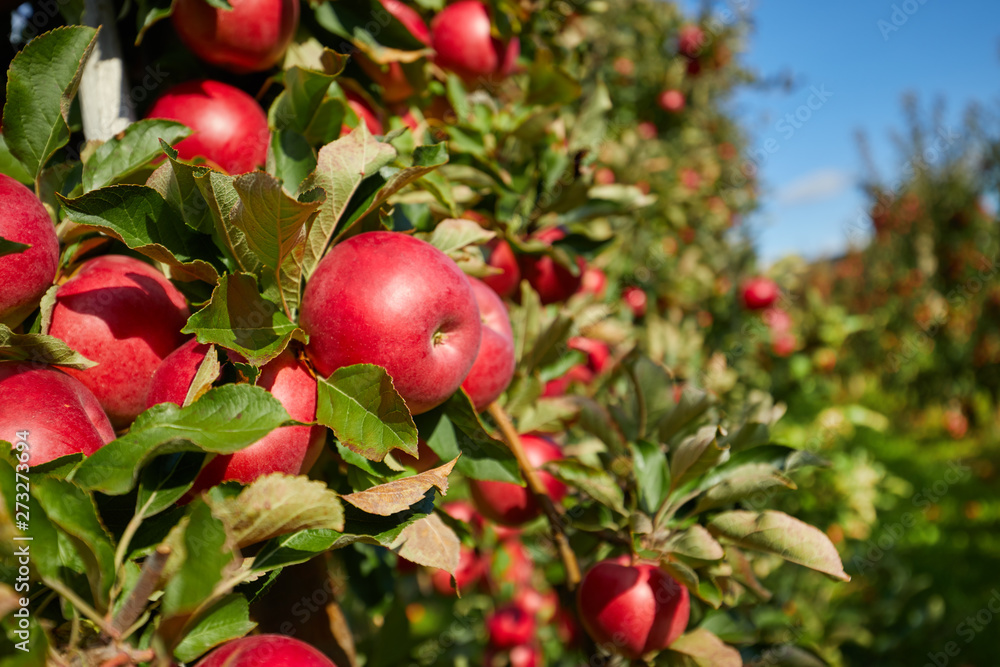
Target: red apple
<point x="526" y="655"/>
<point x="502" y="257"/>
<point x="392" y="300"/>
<point x="955" y="422"/>
<point x="632" y="609"/>
<point x="647" y="130"/>
<point x="777" y="320"/>
<point x="672" y="101"/>
<point x="463" y="511"/>
<point x="470" y="570"/>
<point x="509" y="626"/>
<point x="229" y="127"/>
<point x="759" y="293"/>
<point x="390" y="76"/>
<point x="26" y="275"/>
<point x="266" y="651"/>
<point x="635" y="299"/>
<point x="461" y="37"/>
<point x="594" y="282"/>
<point x="510" y="504"/>
<point x="364" y="112"/>
<point x="784" y="344"/>
<point x="250" y="37"/>
<point x="559" y="386"/>
<point x="512" y="564"/>
<point x="410" y="19"/>
<point x="60" y="415"/>
<point x="425" y="459"/>
<point x="126" y="316"/>
<point x="598" y="353"/>
<point x="494" y="365"/>
<point x="553" y="281"/>
<point x="690" y="40"/>
<point x="604" y="176"/>
<point x="289" y="449"/>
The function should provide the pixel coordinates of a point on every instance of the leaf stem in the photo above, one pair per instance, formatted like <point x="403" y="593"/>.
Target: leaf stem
<point x="513" y="440"/>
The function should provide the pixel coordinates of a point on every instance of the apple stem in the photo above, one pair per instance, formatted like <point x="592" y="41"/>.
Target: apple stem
<point x="105" y="104"/>
<point x="149" y="577"/>
<point x="513" y="441"/>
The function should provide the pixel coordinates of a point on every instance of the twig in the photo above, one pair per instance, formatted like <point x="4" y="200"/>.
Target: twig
<point x="80" y="605"/>
<point x="152" y="569"/>
<point x="513" y="440"/>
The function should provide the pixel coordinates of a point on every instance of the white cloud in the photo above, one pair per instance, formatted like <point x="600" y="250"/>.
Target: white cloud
<point x="815" y="187"/>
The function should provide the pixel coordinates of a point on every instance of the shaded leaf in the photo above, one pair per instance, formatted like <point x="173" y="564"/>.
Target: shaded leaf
<point x="39" y="348"/>
<point x="707" y="650"/>
<point x="695" y="542"/>
<point x="229" y="618"/>
<point x="596" y="483"/>
<point x="695" y="455"/>
<point x="118" y="158"/>
<point x="199" y="557"/>
<point x="652" y="474"/>
<point x="398" y="495"/>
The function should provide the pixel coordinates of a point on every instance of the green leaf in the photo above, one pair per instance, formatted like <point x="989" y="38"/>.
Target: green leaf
<point x="590" y="131"/>
<point x="229" y="618"/>
<point x="340" y="169"/>
<point x="41" y="83"/>
<point x="454" y="428"/>
<point x="294" y="549"/>
<point x="238" y="318"/>
<point x="46" y="556"/>
<point x="175" y="181"/>
<point x="596" y="483"/>
<point x="777" y="533"/>
<point x="398" y="495"/>
<point x="223" y="421"/>
<point x="706" y="650"/>
<point x="652" y="474"/>
<point x="695" y="542"/>
<point x="453" y="235"/>
<point x="12" y="247"/>
<point x="39" y="348"/>
<point x="11" y="166"/>
<point x="272" y="222"/>
<point x="118" y="158"/>
<point x="693" y="404"/>
<point x="148" y="13"/>
<point x="376" y="190"/>
<point x="297" y="105"/>
<point x="199" y="555"/>
<point x="220" y="195"/>
<point x="165" y="481"/>
<point x="291" y="158"/>
<point x="353" y="21"/>
<point x="741" y="483"/>
<point x="140" y="217"/>
<point x="549" y="84"/>
<point x="73" y="510"/>
<point x="275" y="505"/>
<point x="695" y="455"/>
<point x="365" y="412"/>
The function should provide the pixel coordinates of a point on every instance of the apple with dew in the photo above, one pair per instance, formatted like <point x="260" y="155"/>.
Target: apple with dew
<point x="126" y="316"/>
<point x="760" y="293"/>
<point x="672" y="101"/>
<point x="392" y="300"/>
<point x="25" y="275"/>
<point x="494" y="366"/>
<point x="288" y="449"/>
<point x="250" y="37"/>
<point x="632" y="610"/>
<point x="228" y="127"/>
<point x="266" y="651"/>
<point x="463" y="43"/>
<point x="553" y="281"/>
<point x="60" y="415"/>
<point x="502" y="257"/>
<point x="510" y="625"/>
<point x="510" y="504"/>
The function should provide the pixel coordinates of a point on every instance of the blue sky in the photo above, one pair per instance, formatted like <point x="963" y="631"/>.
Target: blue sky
<point x="948" y="48"/>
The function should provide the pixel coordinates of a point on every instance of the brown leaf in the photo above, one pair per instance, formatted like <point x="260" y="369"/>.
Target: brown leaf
<point x="429" y="542"/>
<point x="396" y="496"/>
<point x="707" y="650"/>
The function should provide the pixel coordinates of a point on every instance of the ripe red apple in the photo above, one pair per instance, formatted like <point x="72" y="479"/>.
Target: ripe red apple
<point x="558" y="386"/>
<point x="471" y="568"/>
<point x="510" y="504"/>
<point x="784" y="344"/>
<point x="509" y="626"/>
<point x="635" y="299"/>
<point x="777" y="320"/>
<point x="425" y="459"/>
<point x="647" y="130"/>
<point x="390" y="76"/>
<point x="463" y="511"/>
<point x="672" y="101"/>
<point x="359" y="105"/>
<point x="266" y="651"/>
<point x="553" y="281"/>
<point x="604" y="176"/>
<point x="690" y="40"/>
<point x="632" y="609"/>
<point x="512" y="564"/>
<point x="250" y="37"/>
<point x="759" y="293"/>
<point x="60" y="415"/>
<point x="229" y="127"/>
<point x="502" y="257"/>
<point x="955" y="422"/>
<point x="410" y="19"/>
<point x="392" y="300"/>
<point x="289" y="449"/>
<point x="598" y="353"/>
<point x="526" y="655"/>
<point x="126" y="316"/>
<point x="494" y="365"/>
<point x="461" y="37"/>
<point x="594" y="281"/>
<point x="25" y="276"/>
